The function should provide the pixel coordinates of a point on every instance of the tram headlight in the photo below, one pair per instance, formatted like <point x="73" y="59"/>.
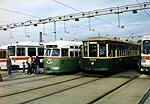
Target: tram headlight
<point x="92" y="63"/>
<point x="49" y="62"/>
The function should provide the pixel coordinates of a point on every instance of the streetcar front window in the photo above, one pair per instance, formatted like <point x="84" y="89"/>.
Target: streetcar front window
<point x="146" y="47"/>
<point x="11" y="50"/>
<point x="48" y="52"/>
<point x="93" y="50"/>
<point x="56" y="52"/>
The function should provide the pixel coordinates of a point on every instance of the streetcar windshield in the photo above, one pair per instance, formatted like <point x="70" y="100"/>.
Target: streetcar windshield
<point x="93" y="50"/>
<point x="56" y="52"/>
<point x="11" y="50"/>
<point x="48" y="52"/>
<point x="146" y="47"/>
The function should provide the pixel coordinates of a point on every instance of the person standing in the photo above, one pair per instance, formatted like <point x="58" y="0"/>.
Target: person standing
<point x="37" y="63"/>
<point x="9" y="65"/>
<point x="29" y="65"/>
<point x="23" y="67"/>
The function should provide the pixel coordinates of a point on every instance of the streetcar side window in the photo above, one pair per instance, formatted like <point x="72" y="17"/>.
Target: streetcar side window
<point x="40" y="51"/>
<point x="85" y="49"/>
<point x="71" y="53"/>
<point x="20" y="51"/>
<point x="31" y="51"/>
<point x="55" y="52"/>
<point x="76" y="54"/>
<point x="2" y="53"/>
<point x="71" y="47"/>
<point x="11" y="50"/>
<point x="76" y="47"/>
<point x="112" y="52"/>
<point x="64" y="52"/>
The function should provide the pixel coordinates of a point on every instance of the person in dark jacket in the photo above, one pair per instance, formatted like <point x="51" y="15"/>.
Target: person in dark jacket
<point x="37" y="63"/>
<point x="9" y="65"/>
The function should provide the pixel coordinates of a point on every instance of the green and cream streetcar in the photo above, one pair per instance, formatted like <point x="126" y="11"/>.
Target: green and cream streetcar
<point x="62" y="56"/>
<point x="109" y="55"/>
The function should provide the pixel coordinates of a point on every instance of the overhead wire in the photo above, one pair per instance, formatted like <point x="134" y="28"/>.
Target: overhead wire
<point x="143" y="9"/>
<point x="81" y="12"/>
<point x="66" y="5"/>
<point x="19" y="13"/>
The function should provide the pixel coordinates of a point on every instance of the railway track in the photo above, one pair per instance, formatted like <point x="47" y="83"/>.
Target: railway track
<point x="5" y="77"/>
<point x="14" y="72"/>
<point x="37" y="98"/>
<point x="44" y="86"/>
<point x="74" y="81"/>
<point x="145" y="97"/>
<point x="55" y="92"/>
<point x="113" y="90"/>
<point x="28" y="81"/>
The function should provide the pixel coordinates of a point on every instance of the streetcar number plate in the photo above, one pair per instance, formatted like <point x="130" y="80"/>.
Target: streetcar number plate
<point x="92" y="59"/>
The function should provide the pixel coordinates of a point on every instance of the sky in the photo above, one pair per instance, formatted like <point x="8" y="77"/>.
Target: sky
<point x="104" y="25"/>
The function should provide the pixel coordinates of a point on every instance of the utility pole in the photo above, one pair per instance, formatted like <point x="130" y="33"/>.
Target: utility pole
<point x="54" y="37"/>
<point x="99" y="34"/>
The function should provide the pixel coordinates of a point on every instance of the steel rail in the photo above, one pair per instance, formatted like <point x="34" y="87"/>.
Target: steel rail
<point x="113" y="90"/>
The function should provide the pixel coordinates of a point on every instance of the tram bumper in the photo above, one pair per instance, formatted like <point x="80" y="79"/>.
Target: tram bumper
<point x="51" y="69"/>
<point x="145" y="66"/>
<point x="145" y="69"/>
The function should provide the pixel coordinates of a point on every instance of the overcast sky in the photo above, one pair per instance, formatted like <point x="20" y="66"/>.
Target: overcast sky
<point x="134" y="23"/>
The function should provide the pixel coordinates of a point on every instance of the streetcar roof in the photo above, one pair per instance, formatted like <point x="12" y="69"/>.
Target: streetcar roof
<point x="3" y="47"/>
<point x="147" y="37"/>
<point x="109" y="39"/>
<point x="63" y="43"/>
<point x="27" y="43"/>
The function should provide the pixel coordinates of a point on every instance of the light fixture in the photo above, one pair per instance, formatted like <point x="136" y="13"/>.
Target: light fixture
<point x="40" y="20"/>
<point x="5" y="29"/>
<point x="35" y="25"/>
<point x="83" y="14"/>
<point x="134" y="11"/>
<point x="76" y="19"/>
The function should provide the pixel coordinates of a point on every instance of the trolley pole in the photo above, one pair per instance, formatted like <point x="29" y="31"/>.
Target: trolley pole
<point x="54" y="38"/>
